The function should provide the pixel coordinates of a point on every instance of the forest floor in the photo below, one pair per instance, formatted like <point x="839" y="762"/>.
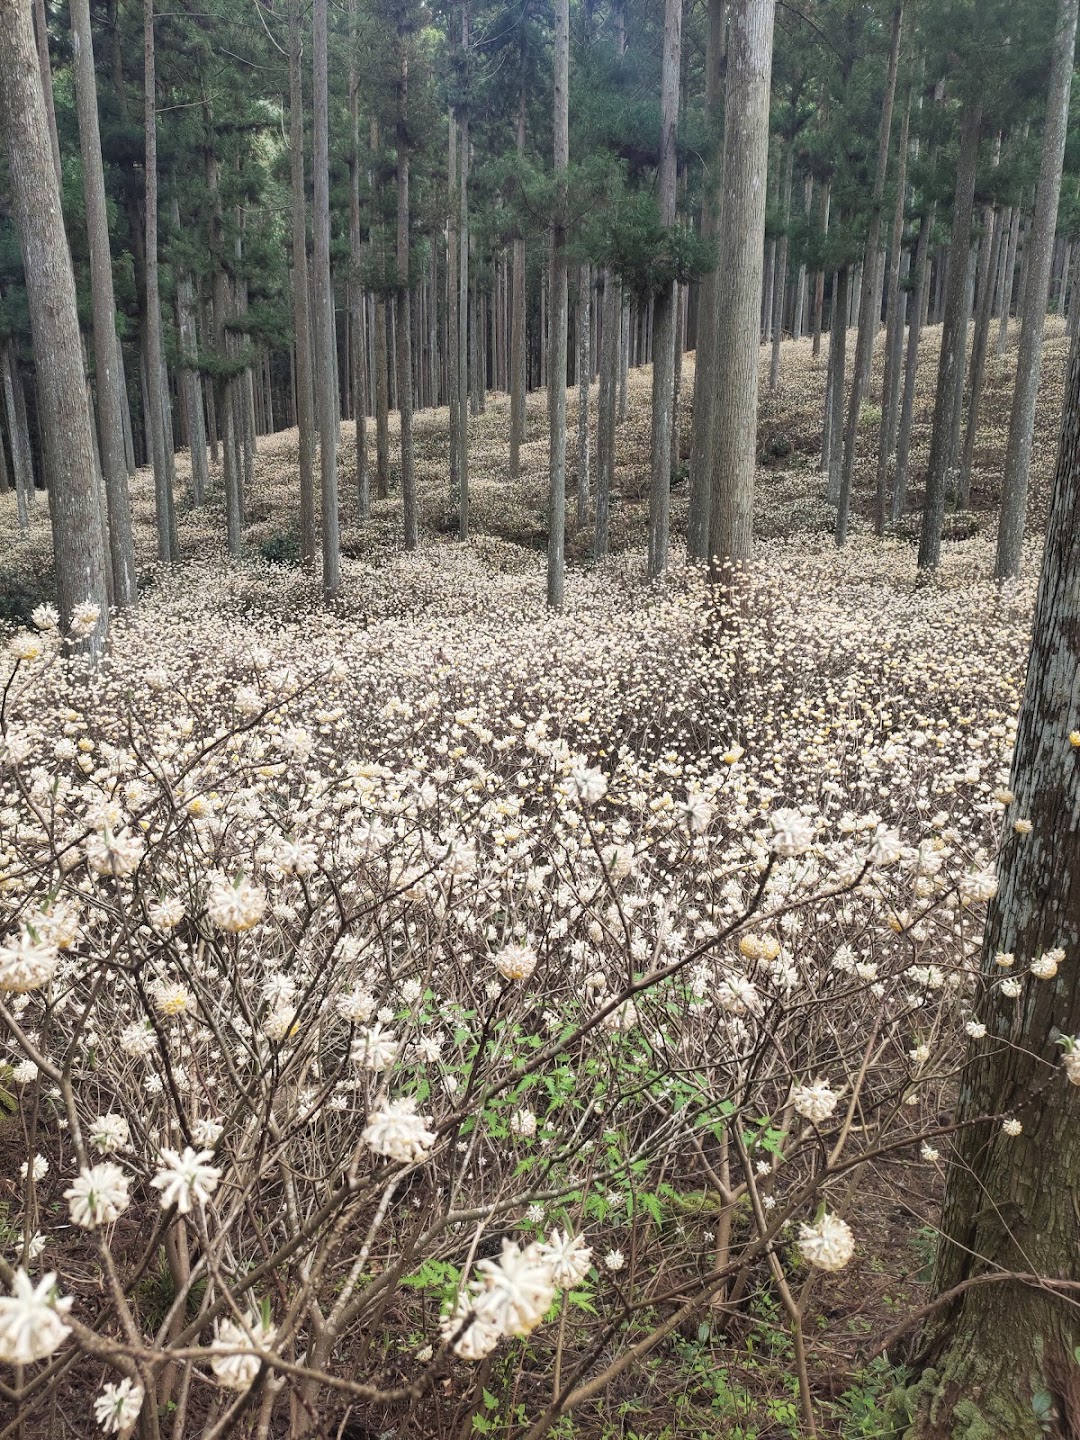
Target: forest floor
<point x="904" y="655"/>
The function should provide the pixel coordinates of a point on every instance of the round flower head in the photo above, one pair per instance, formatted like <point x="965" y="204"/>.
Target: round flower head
<point x="590" y="786"/>
<point x="31" y="1327"/>
<point x="828" y="1243"/>
<point x="99" y="1195"/>
<point x="235" y="908"/>
<point x="238" y="1371"/>
<point x="518" y="1288"/>
<point x="516" y="962"/>
<point x="815" y="1102"/>
<point x="374" y="1049"/>
<point x="478" y="1338"/>
<point x="567" y="1257"/>
<point x="109" y="1132"/>
<point x="26" y="963"/>
<point x="185" y="1178"/>
<point x="83" y="619"/>
<point x="118" y="1406"/>
<point x="792" y="833"/>
<point x="116" y="855"/>
<point x="396" y="1131"/>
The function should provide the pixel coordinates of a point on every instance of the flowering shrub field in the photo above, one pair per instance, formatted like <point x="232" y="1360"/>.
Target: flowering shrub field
<point x="419" y="1016"/>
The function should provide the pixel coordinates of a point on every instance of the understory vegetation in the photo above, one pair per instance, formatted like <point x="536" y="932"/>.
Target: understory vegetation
<point x="429" y="1015"/>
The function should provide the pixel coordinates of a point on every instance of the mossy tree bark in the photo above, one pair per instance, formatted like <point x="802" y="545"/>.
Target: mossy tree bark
<point x="1001" y="1358"/>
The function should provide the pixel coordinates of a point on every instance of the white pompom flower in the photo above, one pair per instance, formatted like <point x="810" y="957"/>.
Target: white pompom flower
<point x="828" y="1243"/>
<point x="186" y="1178"/>
<point x="31" y="1323"/>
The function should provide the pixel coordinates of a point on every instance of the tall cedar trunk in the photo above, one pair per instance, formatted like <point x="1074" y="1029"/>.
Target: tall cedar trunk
<point x="404" y="298"/>
<point x="79" y="548"/>
<point x="41" y="36"/>
<point x="1006" y="1351"/>
<point x="833" y="449"/>
<point x="916" y="309"/>
<point x="819" y="278"/>
<point x="869" y="311"/>
<point x="357" y="353"/>
<point x="798" y="324"/>
<point x="517" y="324"/>
<point x="894" y="324"/>
<point x="780" y="284"/>
<point x="382" y="401"/>
<point x="324" y="314"/>
<point x="305" y="385"/>
<point x="556" y="566"/>
<point x="190" y="387"/>
<point x="1007" y="280"/>
<point x="466" y="329"/>
<point x="584" y="371"/>
<point x="106" y="367"/>
<point x="1039" y="249"/>
<point x="988" y="257"/>
<point x="605" y="413"/>
<point x="664" y="312"/>
<point x="222" y="410"/>
<point x="697" y="535"/>
<point x="953" y="337"/>
<point x="168" y="545"/>
<point x="453" y="318"/>
<point x="746" y="156"/>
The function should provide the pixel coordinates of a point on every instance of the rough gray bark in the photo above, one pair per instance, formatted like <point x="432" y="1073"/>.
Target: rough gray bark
<point x="916" y="310"/>
<point x="557" y="323"/>
<point x="953" y="338"/>
<point x="453" y="319"/>
<point x="818" y="308"/>
<point x="780" y="282"/>
<point x="584" y="371"/>
<point x="697" y="537"/>
<point x="41" y="37"/>
<point x="989" y="253"/>
<point x="357" y="348"/>
<point x="465" y="330"/>
<point x="605" y="413"/>
<point x="79" y="548"/>
<point x="107" y="377"/>
<point x="324" y="314"/>
<point x="20" y="452"/>
<point x="517" y="326"/>
<point x="404" y="310"/>
<point x="663" y="376"/>
<point x="1006" y="1351"/>
<point x="164" y="508"/>
<point x="305" y="384"/>
<point x="190" y="385"/>
<point x="1007" y="280"/>
<point x="1039" y="250"/>
<point x="896" y="301"/>
<point x="833" y="442"/>
<point x="869" y="312"/>
<point x="746" y="156"/>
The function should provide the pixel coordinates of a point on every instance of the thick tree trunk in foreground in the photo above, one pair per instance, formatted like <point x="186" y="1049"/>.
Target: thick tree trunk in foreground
<point x="1002" y="1355"/>
<point x="664" y="310"/>
<point x="466" y="330"/>
<point x="1039" y="251"/>
<point x="324" y="314"/>
<point x="107" y="374"/>
<point x="78" y="542"/>
<point x="305" y="385"/>
<point x="556" y="567"/>
<point x="746" y="156"/>
<point x="953" y="338"/>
